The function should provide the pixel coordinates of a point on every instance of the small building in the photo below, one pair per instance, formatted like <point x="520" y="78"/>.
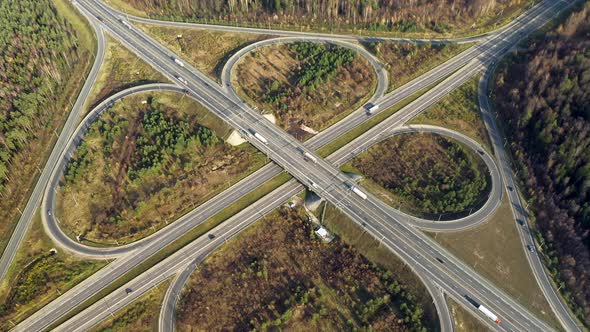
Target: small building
<point x="324" y="234"/>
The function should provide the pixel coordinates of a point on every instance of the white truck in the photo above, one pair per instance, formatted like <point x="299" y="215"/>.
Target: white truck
<point x="483" y="309"/>
<point x="489" y="314"/>
<point x="182" y="80"/>
<point x="260" y="138"/>
<point x="127" y="25"/>
<point x="357" y="191"/>
<point x="309" y="156"/>
<point x="178" y="62"/>
<point x="372" y="108"/>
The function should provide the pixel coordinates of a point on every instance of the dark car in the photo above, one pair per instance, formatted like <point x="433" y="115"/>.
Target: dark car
<point x="530" y="248"/>
<point x="510" y="188"/>
<point x="128" y="290"/>
<point x="211" y="236"/>
<point x="480" y="151"/>
<point x="520" y="222"/>
<point x="440" y="260"/>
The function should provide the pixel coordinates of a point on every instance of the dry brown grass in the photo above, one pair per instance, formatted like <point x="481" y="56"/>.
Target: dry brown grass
<point x="121" y="69"/>
<point x="494" y="250"/>
<point x="464" y="320"/>
<point x="317" y="109"/>
<point x="458" y="111"/>
<point x="205" y="50"/>
<point x="294" y="282"/>
<point x="406" y="61"/>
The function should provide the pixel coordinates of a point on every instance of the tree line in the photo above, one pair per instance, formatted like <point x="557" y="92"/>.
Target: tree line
<point x="543" y="96"/>
<point x="384" y="15"/>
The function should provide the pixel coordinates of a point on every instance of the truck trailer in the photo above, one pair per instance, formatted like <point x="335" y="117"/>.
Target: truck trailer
<point x="309" y="156"/>
<point x="357" y="191"/>
<point x="260" y="138"/>
<point x="483" y="309"/>
<point x="178" y="62"/>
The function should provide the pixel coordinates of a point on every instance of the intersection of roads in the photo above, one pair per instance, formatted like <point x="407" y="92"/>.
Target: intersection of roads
<point x="441" y="272"/>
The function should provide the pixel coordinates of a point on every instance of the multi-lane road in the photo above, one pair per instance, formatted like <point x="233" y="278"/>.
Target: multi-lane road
<point x="419" y="252"/>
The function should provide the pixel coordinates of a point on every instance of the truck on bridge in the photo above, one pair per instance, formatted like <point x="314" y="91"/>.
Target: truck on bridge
<point x="260" y="138"/>
<point x="357" y="191"/>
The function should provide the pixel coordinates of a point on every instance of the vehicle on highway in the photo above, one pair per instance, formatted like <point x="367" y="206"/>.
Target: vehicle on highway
<point x="372" y="108"/>
<point x="440" y="260"/>
<point x="211" y="236"/>
<point x="483" y="309"/>
<point x="310" y="157"/>
<point x="182" y="80"/>
<point x="480" y="151"/>
<point x="128" y="290"/>
<point x="530" y="248"/>
<point x="357" y="191"/>
<point x="48" y="212"/>
<point x="260" y="137"/>
<point x="520" y="222"/>
<point x="127" y="25"/>
<point x="313" y="184"/>
<point x="510" y="188"/>
<point x="178" y="62"/>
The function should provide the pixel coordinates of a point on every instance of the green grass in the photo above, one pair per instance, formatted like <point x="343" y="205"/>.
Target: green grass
<point x="85" y="32"/>
<point x="458" y="111"/>
<point x="425" y="175"/>
<point x="140" y="315"/>
<point x="494" y="250"/>
<point x="181" y="242"/>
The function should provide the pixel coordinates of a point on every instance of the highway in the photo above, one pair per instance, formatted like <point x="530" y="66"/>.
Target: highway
<point x="518" y="208"/>
<point x="404" y="240"/>
<point x="29" y="211"/>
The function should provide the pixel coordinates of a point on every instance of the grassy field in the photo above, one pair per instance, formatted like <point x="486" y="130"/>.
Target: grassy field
<point x="121" y="69"/>
<point x="464" y="320"/>
<point x="351" y="234"/>
<point x="289" y="81"/>
<point x="424" y="174"/>
<point x="494" y="250"/>
<point x="205" y="50"/>
<point x="143" y="164"/>
<point x="37" y="277"/>
<point x="406" y="61"/>
<point x="458" y="111"/>
<point x="303" y="284"/>
<point x="141" y="315"/>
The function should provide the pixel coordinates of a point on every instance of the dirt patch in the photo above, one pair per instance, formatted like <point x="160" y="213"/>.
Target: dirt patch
<point x="271" y="79"/>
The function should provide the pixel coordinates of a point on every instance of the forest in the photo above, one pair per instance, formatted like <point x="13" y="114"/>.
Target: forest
<point x="295" y="282"/>
<point x="543" y="96"/>
<point x="430" y="175"/>
<point x="39" y="56"/>
<point x="376" y="15"/>
<point x="142" y="164"/>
